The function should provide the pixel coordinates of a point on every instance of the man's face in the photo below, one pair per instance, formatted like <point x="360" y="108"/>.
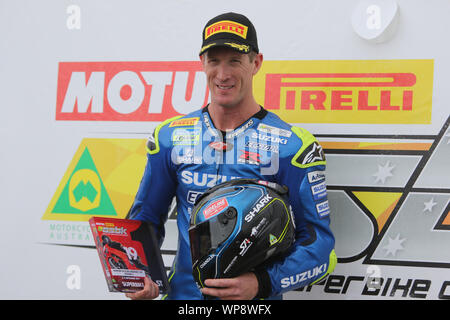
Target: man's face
<point x="230" y="75"/>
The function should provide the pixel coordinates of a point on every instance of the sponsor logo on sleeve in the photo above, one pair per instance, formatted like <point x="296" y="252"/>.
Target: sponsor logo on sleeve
<point x="312" y="154"/>
<point x="323" y="209"/>
<point x="319" y="190"/>
<point x="316" y="176"/>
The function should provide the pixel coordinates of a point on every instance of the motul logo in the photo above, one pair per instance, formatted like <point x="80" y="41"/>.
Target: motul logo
<point x="129" y="91"/>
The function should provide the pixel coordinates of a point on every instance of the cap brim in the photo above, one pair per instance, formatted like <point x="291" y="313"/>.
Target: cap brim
<point x="230" y="43"/>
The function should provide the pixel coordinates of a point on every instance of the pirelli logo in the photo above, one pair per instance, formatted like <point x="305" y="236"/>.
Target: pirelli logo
<point x="381" y="91"/>
<point x="184" y="122"/>
<point x="226" y="26"/>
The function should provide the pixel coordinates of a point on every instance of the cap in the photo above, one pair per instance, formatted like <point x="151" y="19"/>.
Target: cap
<point x="230" y="30"/>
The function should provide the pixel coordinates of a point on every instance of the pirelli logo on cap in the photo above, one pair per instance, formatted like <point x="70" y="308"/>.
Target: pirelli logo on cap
<point x="226" y="26"/>
<point x="348" y="91"/>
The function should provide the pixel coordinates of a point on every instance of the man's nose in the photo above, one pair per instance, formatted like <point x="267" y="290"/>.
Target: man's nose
<point x="223" y="73"/>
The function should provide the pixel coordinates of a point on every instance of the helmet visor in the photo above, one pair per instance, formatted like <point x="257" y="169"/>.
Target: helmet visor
<point x="207" y="236"/>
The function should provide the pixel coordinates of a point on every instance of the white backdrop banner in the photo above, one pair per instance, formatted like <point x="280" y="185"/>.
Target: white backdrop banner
<point x="86" y="82"/>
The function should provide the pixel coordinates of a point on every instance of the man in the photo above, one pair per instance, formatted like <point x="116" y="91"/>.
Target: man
<point x="234" y="137"/>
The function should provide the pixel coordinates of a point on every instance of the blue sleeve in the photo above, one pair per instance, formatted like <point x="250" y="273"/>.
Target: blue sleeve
<point x="158" y="184"/>
<point x="312" y="256"/>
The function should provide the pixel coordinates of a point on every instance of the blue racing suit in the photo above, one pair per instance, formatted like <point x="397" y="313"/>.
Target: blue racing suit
<point x="187" y="155"/>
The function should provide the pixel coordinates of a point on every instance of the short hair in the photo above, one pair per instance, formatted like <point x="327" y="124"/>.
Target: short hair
<point x="252" y="55"/>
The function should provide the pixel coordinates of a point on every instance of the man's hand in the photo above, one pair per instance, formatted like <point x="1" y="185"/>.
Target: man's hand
<point x="243" y="287"/>
<point x="150" y="291"/>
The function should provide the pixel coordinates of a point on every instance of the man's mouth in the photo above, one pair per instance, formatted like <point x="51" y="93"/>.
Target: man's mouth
<point x="221" y="87"/>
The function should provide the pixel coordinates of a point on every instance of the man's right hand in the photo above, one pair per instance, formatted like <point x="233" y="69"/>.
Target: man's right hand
<point x="150" y="291"/>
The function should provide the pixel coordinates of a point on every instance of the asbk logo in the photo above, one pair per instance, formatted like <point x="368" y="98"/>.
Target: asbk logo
<point x="129" y="91"/>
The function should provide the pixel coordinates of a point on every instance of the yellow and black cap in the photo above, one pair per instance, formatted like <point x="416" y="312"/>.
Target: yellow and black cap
<point x="230" y="30"/>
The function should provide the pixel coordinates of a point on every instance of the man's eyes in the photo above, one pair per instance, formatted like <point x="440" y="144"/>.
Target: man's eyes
<point x="216" y="61"/>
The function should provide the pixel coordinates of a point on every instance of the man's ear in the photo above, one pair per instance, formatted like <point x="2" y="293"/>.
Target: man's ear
<point x="258" y="63"/>
<point x="202" y="60"/>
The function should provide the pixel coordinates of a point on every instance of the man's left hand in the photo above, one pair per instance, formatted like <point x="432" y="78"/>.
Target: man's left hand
<point x="243" y="287"/>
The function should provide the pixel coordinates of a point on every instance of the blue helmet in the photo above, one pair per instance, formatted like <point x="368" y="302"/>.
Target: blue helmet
<point x="237" y="226"/>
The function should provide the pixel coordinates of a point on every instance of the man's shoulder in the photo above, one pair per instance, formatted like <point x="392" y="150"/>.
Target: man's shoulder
<point x="164" y="131"/>
<point x="301" y="145"/>
<point x="274" y="120"/>
<point x="296" y="136"/>
<point x="187" y="120"/>
<point x="190" y="119"/>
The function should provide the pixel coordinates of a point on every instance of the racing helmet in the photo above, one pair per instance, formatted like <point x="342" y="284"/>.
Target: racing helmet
<point x="237" y="226"/>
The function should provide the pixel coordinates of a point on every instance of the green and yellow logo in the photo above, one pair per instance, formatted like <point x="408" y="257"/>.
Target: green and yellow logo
<point x="85" y="191"/>
<point x="101" y="180"/>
